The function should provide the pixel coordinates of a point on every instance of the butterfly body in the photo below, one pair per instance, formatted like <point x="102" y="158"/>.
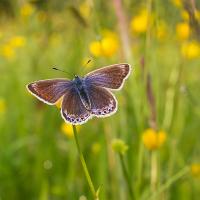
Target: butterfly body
<point x="81" y="87"/>
<point x="83" y="97"/>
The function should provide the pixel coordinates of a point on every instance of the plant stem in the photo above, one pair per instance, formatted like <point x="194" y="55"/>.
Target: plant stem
<point x="154" y="171"/>
<point x="125" y="172"/>
<point x="85" y="169"/>
<point x="166" y="185"/>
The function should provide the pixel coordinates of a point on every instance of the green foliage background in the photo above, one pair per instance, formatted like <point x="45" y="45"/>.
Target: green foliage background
<point x="38" y="161"/>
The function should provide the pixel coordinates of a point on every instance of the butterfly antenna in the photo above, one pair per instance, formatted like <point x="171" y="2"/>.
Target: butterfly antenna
<point x="87" y="63"/>
<point x="61" y="71"/>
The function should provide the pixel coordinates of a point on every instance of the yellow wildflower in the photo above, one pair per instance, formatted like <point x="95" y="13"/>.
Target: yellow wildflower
<point x="85" y="9"/>
<point x="96" y="147"/>
<point x="7" y="51"/>
<point x="195" y="169"/>
<point x="119" y="146"/>
<point x="2" y="105"/>
<point x="107" y="46"/>
<point x="191" y="50"/>
<point x="59" y="103"/>
<point x="26" y="10"/>
<point x="17" y="41"/>
<point x="185" y="15"/>
<point x="139" y="23"/>
<point x="182" y="30"/>
<point x="67" y="129"/>
<point x="152" y="139"/>
<point x="95" y="48"/>
<point x="177" y="3"/>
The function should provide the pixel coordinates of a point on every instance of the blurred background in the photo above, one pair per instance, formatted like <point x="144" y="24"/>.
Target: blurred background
<point x="153" y="139"/>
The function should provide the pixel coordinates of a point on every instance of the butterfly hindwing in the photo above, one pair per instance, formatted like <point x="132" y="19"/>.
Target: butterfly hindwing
<point x="103" y="103"/>
<point x="111" y="77"/>
<point x="73" y="110"/>
<point x="49" y="91"/>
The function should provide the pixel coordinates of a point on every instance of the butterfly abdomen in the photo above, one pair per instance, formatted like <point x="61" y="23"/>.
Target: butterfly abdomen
<point x="82" y="91"/>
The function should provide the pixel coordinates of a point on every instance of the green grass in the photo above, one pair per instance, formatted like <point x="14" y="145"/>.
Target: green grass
<point x="38" y="161"/>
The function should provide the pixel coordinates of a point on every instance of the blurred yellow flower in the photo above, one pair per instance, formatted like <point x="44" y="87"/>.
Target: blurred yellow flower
<point x="59" y="103"/>
<point x="177" y="3"/>
<point x="68" y="130"/>
<point x="95" y="48"/>
<point x="17" y="41"/>
<point x="182" y="30"/>
<point x="85" y="9"/>
<point x="26" y="10"/>
<point x="7" y="51"/>
<point x="195" y="169"/>
<point x="96" y="148"/>
<point x="107" y="46"/>
<point x="139" y="22"/>
<point x="153" y="140"/>
<point x="119" y="146"/>
<point x="2" y="105"/>
<point x="185" y="15"/>
<point x="191" y="50"/>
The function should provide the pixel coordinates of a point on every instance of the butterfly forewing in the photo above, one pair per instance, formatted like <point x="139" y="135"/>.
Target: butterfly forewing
<point x="73" y="110"/>
<point x="111" y="77"/>
<point x="49" y="91"/>
<point x="103" y="103"/>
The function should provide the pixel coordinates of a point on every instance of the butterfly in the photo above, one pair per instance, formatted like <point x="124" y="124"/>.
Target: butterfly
<point x="83" y="97"/>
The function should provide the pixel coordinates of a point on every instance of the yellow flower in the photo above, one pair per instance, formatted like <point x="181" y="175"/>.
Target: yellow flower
<point x="95" y="48"/>
<point x="2" y="105"/>
<point x="7" y="51"/>
<point x="177" y="3"/>
<point x="17" y="41"/>
<point x="195" y="169"/>
<point x="191" y="50"/>
<point x="152" y="139"/>
<point x="139" y="22"/>
<point x="59" y="103"/>
<point x="85" y="9"/>
<point x="185" y="15"/>
<point x="96" y="148"/>
<point x="107" y="46"/>
<point x="182" y="30"/>
<point x="26" y="10"/>
<point x="119" y="146"/>
<point x="68" y="130"/>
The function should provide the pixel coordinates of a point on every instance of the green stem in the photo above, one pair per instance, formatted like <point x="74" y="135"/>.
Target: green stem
<point x="166" y="185"/>
<point x="125" y="172"/>
<point x="85" y="169"/>
<point x="154" y="171"/>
